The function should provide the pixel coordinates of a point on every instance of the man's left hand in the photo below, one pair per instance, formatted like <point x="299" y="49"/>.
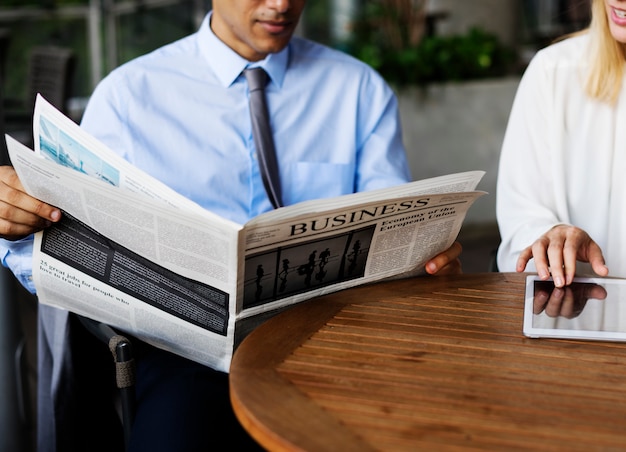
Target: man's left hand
<point x="446" y="263"/>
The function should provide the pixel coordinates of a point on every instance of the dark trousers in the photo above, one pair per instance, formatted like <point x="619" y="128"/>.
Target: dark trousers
<point x="86" y="414"/>
<point x="182" y="406"/>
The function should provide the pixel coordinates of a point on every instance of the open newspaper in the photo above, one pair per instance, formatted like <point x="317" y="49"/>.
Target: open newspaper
<point x="134" y="254"/>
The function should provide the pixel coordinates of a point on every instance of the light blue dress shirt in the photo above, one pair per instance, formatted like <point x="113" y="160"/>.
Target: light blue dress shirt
<point x="181" y="114"/>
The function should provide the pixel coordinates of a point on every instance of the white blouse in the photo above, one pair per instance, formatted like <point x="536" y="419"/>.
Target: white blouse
<point x="563" y="160"/>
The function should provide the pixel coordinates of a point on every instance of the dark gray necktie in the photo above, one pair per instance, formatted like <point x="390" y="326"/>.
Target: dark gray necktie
<point x="262" y="134"/>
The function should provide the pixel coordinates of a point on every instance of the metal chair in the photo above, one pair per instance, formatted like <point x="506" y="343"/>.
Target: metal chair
<point x="493" y="261"/>
<point x="123" y="357"/>
<point x="15" y="413"/>
<point x="50" y="73"/>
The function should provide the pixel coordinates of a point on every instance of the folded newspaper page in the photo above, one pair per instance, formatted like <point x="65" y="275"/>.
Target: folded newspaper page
<point x="134" y="254"/>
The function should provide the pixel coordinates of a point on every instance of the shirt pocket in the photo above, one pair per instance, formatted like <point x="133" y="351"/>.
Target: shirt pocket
<point x="313" y="180"/>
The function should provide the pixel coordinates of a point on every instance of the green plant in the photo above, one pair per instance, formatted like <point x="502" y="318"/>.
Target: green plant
<point x="389" y="36"/>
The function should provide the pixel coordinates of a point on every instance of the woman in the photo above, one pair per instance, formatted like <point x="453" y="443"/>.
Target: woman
<point x="561" y="193"/>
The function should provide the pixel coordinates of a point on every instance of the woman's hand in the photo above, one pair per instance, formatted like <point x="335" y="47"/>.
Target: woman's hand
<point x="557" y="251"/>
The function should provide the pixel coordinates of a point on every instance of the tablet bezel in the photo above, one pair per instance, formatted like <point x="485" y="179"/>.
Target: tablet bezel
<point x="561" y="333"/>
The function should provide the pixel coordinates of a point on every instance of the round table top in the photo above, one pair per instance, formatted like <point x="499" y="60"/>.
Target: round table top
<point x="429" y="363"/>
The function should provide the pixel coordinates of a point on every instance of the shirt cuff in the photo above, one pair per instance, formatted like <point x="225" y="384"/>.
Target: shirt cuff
<point x="18" y="257"/>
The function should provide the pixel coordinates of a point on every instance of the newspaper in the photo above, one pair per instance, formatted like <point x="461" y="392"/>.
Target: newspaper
<point x="133" y="253"/>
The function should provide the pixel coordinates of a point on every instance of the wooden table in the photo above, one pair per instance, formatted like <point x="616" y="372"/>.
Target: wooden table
<point x="433" y="363"/>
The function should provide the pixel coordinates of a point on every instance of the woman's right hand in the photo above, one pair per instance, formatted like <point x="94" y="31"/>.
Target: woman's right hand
<point x="20" y="213"/>
<point x="557" y="251"/>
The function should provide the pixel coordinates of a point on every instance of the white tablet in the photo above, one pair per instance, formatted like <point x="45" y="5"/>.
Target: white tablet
<point x="591" y="308"/>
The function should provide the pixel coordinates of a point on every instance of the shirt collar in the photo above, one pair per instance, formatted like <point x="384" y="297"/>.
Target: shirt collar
<point x="228" y="65"/>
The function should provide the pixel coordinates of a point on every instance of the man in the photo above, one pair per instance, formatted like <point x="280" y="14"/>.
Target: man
<point x="181" y="114"/>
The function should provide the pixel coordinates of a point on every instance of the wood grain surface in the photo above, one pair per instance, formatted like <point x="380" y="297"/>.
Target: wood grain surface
<point x="430" y="363"/>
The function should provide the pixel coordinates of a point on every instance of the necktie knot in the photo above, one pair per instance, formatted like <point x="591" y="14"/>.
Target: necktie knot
<point x="256" y="77"/>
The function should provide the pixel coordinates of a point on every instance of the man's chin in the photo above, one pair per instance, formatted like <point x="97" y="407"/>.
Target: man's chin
<point x="273" y="45"/>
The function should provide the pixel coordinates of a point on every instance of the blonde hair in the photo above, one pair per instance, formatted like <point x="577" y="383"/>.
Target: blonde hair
<point x="604" y="80"/>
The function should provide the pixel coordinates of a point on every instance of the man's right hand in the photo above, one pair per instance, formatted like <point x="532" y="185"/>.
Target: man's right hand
<point x="20" y="213"/>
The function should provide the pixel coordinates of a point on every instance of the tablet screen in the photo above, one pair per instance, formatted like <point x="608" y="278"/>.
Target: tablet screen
<point x="591" y="308"/>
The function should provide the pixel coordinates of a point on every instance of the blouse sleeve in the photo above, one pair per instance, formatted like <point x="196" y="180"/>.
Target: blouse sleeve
<point x="526" y="199"/>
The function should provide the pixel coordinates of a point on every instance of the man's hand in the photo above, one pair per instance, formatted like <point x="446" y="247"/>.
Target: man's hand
<point x="446" y="263"/>
<point x="557" y="251"/>
<point x="20" y="213"/>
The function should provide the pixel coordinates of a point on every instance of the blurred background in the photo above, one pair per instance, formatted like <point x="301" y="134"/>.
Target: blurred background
<point x="455" y="65"/>
<point x="409" y="41"/>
